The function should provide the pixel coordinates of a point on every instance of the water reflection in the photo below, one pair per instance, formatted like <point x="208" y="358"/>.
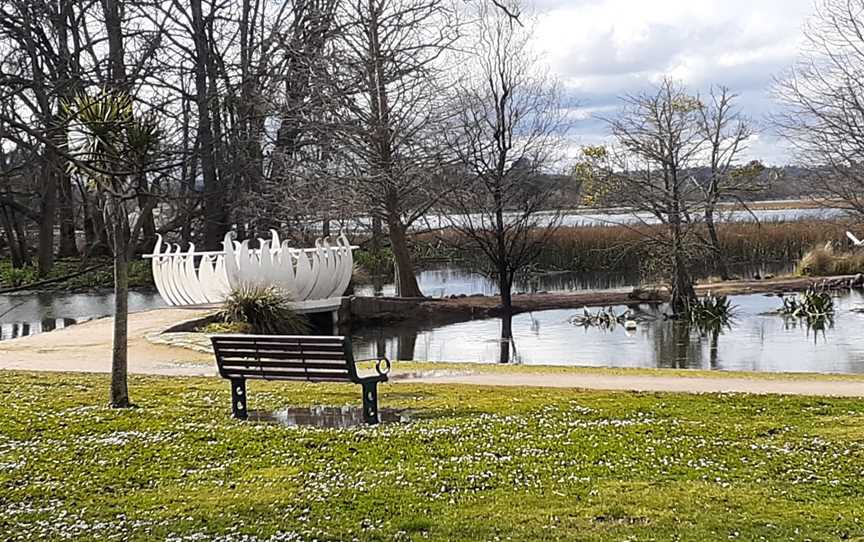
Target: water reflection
<point x="447" y="279"/>
<point x="757" y="341"/>
<point x="31" y="313"/>
<point x="23" y="329"/>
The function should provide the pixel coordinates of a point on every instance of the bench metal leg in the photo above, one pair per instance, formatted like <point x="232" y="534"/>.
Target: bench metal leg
<point x="238" y="398"/>
<point x="370" y="402"/>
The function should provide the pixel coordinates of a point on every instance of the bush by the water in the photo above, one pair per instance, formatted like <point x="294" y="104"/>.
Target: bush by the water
<point x="266" y="311"/>
<point x="710" y="312"/>
<point x="813" y="304"/>
<point x="11" y="277"/>
<point x="100" y="274"/>
<point x="824" y="262"/>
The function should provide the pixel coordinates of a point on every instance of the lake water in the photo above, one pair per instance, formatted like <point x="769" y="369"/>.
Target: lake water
<point x="28" y="314"/>
<point x="446" y="279"/>
<point x="755" y="342"/>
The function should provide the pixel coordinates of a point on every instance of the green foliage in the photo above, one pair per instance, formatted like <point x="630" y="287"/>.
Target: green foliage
<point x="475" y="463"/>
<point x="140" y="275"/>
<point x="710" y="313"/>
<point x="815" y="306"/>
<point x="594" y="175"/>
<point x="265" y="310"/>
<point x="11" y="277"/>
<point x="113" y="136"/>
<point x="375" y="263"/>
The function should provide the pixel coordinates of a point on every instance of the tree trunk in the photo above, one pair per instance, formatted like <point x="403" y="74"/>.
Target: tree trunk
<point x="506" y="339"/>
<point x="406" y="281"/>
<point x="719" y="261"/>
<point x="47" y="210"/>
<point x="119" y="360"/>
<point x="118" y="221"/>
<point x="7" y="218"/>
<point x="214" y="208"/>
<point x="148" y="227"/>
<point x="68" y="248"/>
<point x="682" y="282"/>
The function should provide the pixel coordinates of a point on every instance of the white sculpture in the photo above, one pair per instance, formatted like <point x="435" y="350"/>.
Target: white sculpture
<point x="306" y="275"/>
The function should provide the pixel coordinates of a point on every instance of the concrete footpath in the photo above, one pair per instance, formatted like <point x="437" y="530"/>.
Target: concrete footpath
<point x="649" y="383"/>
<point x="87" y="348"/>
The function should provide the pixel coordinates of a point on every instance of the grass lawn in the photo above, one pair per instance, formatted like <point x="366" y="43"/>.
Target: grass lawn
<point x="474" y="464"/>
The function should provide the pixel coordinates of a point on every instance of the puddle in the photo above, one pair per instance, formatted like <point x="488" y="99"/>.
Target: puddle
<point x="327" y="416"/>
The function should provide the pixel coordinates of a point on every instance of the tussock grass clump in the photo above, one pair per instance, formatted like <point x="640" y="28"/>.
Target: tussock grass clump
<point x="265" y="311"/>
<point x="824" y="262"/>
<point x="710" y="312"/>
<point x="812" y="304"/>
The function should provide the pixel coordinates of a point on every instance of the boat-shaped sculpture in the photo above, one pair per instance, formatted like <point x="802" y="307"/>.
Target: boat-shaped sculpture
<point x="309" y="277"/>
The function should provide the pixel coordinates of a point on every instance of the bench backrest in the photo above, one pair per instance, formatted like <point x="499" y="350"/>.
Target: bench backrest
<point x="285" y="357"/>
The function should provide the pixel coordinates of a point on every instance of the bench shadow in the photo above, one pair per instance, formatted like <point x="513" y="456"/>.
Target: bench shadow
<point x="332" y="417"/>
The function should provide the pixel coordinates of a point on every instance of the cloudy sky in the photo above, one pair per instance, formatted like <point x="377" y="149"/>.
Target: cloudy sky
<point x="602" y="49"/>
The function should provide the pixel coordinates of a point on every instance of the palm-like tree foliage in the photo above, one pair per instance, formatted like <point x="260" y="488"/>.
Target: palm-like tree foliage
<point x="114" y="148"/>
<point x="112" y="141"/>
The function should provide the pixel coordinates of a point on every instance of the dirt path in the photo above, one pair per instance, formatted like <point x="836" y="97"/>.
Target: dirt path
<point x="87" y="347"/>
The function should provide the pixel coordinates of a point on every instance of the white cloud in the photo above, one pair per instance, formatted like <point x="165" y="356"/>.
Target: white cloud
<point x="602" y="49"/>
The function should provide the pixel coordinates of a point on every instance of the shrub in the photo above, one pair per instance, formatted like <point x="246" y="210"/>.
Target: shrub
<point x="812" y="304"/>
<point x="265" y="310"/>
<point x="13" y="277"/>
<point x="375" y="263"/>
<point x="824" y="262"/>
<point x="710" y="313"/>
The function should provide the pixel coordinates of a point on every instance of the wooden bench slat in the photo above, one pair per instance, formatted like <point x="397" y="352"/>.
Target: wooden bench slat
<point x="288" y="356"/>
<point x="283" y="364"/>
<point x="329" y="347"/>
<point x="287" y="339"/>
<point x="294" y="374"/>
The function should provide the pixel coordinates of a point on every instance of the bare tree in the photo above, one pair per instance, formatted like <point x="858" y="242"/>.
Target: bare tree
<point x="823" y="95"/>
<point x="390" y="125"/>
<point x="726" y="132"/>
<point x="660" y="139"/>
<point x="506" y="133"/>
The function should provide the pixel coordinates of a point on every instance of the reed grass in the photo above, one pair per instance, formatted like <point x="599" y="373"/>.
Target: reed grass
<point x="619" y="248"/>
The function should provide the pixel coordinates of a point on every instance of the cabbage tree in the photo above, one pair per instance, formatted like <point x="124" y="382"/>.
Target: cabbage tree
<point x="113" y="147"/>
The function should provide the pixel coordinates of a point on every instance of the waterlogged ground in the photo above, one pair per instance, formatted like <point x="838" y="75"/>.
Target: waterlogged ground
<point x="473" y="464"/>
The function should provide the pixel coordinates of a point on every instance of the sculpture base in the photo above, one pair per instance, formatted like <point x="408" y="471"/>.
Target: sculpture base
<point x="317" y="305"/>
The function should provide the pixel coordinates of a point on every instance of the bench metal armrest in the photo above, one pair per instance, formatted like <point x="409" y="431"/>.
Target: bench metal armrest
<point x="382" y="365"/>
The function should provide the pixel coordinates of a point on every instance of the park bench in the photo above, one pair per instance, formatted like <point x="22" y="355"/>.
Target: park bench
<point x="293" y="358"/>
